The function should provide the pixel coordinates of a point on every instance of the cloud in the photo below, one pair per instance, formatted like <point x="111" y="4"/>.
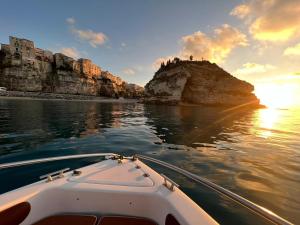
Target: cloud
<point x="241" y="11"/>
<point x="123" y="46"/>
<point x="215" y="48"/>
<point x="71" y="52"/>
<point x="128" y="71"/>
<point x="159" y="61"/>
<point x="70" y="20"/>
<point x="254" y="68"/>
<point x="294" y="50"/>
<point x="270" y="20"/>
<point x="95" y="39"/>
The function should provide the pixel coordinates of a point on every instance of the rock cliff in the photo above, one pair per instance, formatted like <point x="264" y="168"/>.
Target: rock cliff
<point x="26" y="68"/>
<point x="198" y="82"/>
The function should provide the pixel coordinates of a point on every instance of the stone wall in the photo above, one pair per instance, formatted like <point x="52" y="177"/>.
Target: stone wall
<point x="88" y="68"/>
<point x="43" y="55"/>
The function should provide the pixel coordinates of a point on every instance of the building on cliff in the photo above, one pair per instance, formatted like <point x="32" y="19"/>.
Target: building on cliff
<point x="23" y="67"/>
<point x="198" y="82"/>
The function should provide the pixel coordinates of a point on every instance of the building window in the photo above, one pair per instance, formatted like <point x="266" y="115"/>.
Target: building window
<point x="17" y="49"/>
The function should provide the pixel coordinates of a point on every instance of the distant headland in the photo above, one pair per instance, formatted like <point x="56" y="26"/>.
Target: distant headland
<point x="24" y="68"/>
<point x="198" y="82"/>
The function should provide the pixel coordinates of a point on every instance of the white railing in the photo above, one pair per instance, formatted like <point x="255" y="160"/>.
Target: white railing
<point x="51" y="159"/>
<point x="261" y="211"/>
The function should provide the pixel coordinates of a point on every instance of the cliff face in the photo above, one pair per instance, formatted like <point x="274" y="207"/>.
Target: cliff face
<point x="198" y="82"/>
<point x="26" y="68"/>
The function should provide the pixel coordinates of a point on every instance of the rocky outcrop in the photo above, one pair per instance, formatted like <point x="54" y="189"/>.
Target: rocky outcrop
<point x="26" y="68"/>
<point x="198" y="82"/>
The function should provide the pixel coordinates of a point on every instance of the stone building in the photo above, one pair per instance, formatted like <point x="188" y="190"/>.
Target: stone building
<point x="22" y="46"/>
<point x="26" y="68"/>
<point x="25" y="50"/>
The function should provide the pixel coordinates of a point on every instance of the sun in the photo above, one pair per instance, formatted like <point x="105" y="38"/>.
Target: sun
<point x="276" y="95"/>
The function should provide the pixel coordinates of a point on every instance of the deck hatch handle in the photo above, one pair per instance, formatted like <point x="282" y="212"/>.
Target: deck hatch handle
<point x="169" y="183"/>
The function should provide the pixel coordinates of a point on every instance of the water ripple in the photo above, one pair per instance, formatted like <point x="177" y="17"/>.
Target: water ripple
<point x="254" y="153"/>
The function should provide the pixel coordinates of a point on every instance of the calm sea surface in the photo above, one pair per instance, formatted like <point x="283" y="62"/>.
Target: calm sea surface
<point x="255" y="153"/>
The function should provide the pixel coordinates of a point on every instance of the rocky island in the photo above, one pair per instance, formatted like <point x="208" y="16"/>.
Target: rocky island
<point x="198" y="82"/>
<point x="26" y="69"/>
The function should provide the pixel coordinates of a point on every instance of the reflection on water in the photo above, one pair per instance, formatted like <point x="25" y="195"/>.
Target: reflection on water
<point x="255" y="153"/>
<point x="267" y="121"/>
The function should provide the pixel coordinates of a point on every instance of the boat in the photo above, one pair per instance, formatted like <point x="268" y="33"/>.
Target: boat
<point x="118" y="190"/>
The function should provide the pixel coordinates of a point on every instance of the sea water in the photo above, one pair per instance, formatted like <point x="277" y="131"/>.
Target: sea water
<point x="252" y="152"/>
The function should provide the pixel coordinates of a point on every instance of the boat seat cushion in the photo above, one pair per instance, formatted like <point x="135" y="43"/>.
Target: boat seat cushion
<point x="68" y="220"/>
<point x="15" y="214"/>
<point x="123" y="220"/>
<point x="171" y="220"/>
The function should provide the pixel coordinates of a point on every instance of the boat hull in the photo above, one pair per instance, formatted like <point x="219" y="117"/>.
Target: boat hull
<point x="111" y="187"/>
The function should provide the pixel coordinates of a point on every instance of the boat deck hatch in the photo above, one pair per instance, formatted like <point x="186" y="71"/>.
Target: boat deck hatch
<point x="126" y="173"/>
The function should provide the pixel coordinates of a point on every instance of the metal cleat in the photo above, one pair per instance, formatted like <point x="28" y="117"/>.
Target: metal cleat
<point x="54" y="175"/>
<point x="171" y="184"/>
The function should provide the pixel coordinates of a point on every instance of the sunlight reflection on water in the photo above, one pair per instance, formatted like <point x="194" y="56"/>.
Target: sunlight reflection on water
<point x="255" y="153"/>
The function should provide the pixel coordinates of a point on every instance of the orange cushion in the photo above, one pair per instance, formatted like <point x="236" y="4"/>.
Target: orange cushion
<point x="122" y="220"/>
<point x="15" y="214"/>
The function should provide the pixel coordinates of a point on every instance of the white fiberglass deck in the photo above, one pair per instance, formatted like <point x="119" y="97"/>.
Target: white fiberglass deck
<point x="108" y="188"/>
<point x="113" y="173"/>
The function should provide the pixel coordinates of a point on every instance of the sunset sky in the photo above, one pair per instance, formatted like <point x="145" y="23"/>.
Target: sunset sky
<point x="257" y="41"/>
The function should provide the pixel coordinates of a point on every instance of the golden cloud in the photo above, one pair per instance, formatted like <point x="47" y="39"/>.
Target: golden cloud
<point x="215" y="48"/>
<point x="270" y="20"/>
<point x="241" y="11"/>
<point x="254" y="68"/>
<point x="294" y="50"/>
<point x="201" y="46"/>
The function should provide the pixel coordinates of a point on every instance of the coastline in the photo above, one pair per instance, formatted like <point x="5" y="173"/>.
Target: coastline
<point x="20" y="95"/>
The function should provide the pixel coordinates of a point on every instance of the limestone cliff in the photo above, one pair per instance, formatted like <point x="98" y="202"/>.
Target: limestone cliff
<point x="26" y="68"/>
<point x="198" y="82"/>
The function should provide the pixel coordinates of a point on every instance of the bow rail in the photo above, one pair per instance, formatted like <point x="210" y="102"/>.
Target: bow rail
<point x="261" y="211"/>
<point x="51" y="159"/>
